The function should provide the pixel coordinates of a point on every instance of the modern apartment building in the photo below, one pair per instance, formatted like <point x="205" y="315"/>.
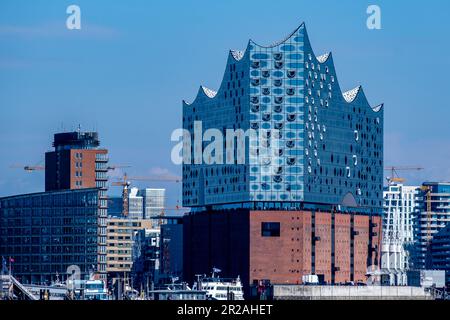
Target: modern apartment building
<point x="439" y="250"/>
<point x="432" y="216"/>
<point x="121" y="233"/>
<point x="400" y="206"/>
<point x="302" y="191"/>
<point x="49" y="232"/>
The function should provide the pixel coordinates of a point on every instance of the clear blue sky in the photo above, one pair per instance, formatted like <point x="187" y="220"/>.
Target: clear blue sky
<point x="126" y="72"/>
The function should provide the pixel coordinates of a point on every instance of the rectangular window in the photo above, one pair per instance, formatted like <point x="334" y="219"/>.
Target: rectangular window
<point x="270" y="229"/>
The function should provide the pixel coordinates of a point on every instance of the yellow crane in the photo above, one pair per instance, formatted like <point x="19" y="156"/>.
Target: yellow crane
<point x="427" y="191"/>
<point x="394" y="177"/>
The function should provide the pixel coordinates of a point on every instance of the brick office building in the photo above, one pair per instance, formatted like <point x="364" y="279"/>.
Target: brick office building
<point x="76" y="162"/>
<point x="313" y="203"/>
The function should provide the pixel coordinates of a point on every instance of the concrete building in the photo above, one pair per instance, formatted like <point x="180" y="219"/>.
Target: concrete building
<point x="400" y="206"/>
<point x="120" y="241"/>
<point x="432" y="216"/>
<point x="294" y="292"/>
<point x="46" y="233"/>
<point x="305" y="196"/>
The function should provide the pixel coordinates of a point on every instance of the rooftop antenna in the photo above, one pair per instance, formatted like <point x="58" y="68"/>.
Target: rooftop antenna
<point x="79" y="128"/>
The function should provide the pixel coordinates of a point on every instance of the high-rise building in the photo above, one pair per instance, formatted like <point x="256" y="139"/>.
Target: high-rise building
<point x="77" y="162"/>
<point x="135" y="204"/>
<point x="153" y="201"/>
<point x="49" y="232"/>
<point x="299" y="188"/>
<point x="433" y="214"/>
<point x="400" y="205"/>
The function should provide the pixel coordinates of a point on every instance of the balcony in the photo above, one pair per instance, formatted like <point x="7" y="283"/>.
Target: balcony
<point x="100" y="157"/>
<point x="101" y="168"/>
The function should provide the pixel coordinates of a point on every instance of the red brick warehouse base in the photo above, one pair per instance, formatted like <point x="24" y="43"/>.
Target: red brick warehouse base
<point x="281" y="246"/>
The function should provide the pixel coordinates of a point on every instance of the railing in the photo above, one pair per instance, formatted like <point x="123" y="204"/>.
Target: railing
<point x="27" y="294"/>
<point x="438" y="294"/>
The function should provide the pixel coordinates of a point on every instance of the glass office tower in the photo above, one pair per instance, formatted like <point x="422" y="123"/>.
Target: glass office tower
<point x="46" y="233"/>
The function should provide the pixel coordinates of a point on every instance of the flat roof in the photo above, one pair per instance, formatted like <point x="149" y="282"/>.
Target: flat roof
<point x="49" y="192"/>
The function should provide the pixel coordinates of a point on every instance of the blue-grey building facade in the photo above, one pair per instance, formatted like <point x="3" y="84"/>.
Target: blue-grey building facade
<point x="329" y="144"/>
<point x="430" y="218"/>
<point x="46" y="233"/>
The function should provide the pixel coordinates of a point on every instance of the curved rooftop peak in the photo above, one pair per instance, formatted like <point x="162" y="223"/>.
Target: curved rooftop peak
<point x="378" y="107"/>
<point x="350" y="95"/>
<point x="237" y="54"/>
<point x="324" y="57"/>
<point x="281" y="41"/>
<point x="208" y="92"/>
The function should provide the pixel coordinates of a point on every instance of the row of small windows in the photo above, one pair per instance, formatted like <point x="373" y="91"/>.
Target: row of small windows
<point x="276" y="82"/>
<point x="308" y="65"/>
<point x="276" y="64"/>
<point x="277" y="100"/>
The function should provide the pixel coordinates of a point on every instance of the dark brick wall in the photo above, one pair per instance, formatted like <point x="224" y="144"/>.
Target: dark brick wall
<point x="216" y="239"/>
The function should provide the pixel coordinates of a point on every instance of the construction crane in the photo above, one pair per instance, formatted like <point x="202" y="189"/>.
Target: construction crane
<point x="427" y="195"/>
<point x="163" y="212"/>
<point x="125" y="184"/>
<point x="28" y="168"/>
<point x="394" y="177"/>
<point x="113" y="167"/>
<point x="39" y="168"/>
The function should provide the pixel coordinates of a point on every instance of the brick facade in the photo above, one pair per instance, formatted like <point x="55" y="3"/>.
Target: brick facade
<point x="308" y="242"/>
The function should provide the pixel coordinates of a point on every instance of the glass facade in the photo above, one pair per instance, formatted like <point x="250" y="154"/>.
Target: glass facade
<point x="46" y="233"/>
<point x="153" y="201"/>
<point x="432" y="216"/>
<point x="329" y="144"/>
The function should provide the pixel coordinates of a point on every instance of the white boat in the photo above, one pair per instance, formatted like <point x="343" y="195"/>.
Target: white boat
<point x="219" y="288"/>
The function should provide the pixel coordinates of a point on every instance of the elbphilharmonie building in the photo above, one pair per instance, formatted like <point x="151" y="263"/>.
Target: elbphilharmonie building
<point x="306" y="195"/>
